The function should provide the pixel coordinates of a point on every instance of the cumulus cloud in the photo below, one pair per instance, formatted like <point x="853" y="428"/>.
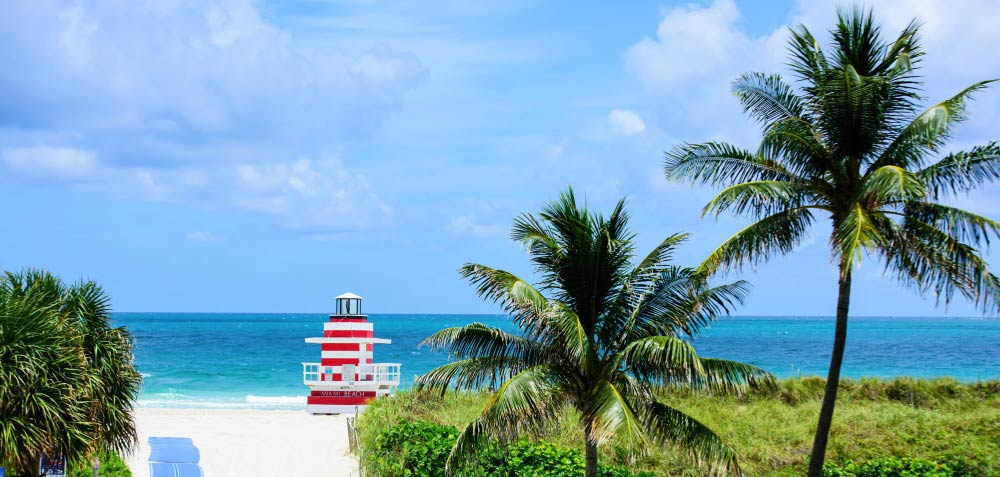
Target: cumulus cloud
<point x="688" y="67"/>
<point x="625" y="122"/>
<point x="182" y="100"/>
<point x="466" y="226"/>
<point x="698" y="50"/>
<point x="313" y="195"/>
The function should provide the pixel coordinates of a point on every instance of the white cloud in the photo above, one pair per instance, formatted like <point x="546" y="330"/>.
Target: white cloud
<point x="698" y="50"/>
<point x="206" y="103"/>
<point x="204" y="237"/>
<point x="310" y="195"/>
<point x="625" y="122"/>
<point x="216" y="68"/>
<point x="58" y="164"/>
<point x="465" y="225"/>
<point x="688" y="67"/>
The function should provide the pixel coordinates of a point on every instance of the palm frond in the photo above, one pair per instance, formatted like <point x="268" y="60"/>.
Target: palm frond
<point x="798" y="147"/>
<point x="472" y="373"/>
<point x="963" y="171"/>
<point x="889" y="184"/>
<point x="928" y="131"/>
<point x="855" y="233"/>
<point x="478" y="340"/>
<point x="807" y="58"/>
<point x="523" y="404"/>
<point x="682" y="303"/>
<point x="961" y="225"/>
<point x="720" y="164"/>
<point x="670" y="426"/>
<point x="929" y="259"/>
<point x="767" y="98"/>
<point x="757" y="242"/>
<point x="758" y="198"/>
<point x="733" y="377"/>
<point x="516" y="296"/>
<point x="613" y="416"/>
<point x="664" y="359"/>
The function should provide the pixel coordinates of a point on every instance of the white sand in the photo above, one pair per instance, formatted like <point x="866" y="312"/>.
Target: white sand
<point x="250" y="443"/>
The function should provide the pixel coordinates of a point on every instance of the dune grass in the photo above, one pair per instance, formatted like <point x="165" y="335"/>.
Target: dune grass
<point x="941" y="419"/>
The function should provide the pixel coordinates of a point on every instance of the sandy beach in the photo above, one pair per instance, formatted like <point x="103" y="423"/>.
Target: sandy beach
<point x="251" y="443"/>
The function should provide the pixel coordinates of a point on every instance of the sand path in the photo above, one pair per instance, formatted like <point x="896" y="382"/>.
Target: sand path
<point x="251" y="443"/>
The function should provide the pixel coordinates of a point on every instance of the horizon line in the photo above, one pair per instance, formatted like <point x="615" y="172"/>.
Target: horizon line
<point x="502" y="314"/>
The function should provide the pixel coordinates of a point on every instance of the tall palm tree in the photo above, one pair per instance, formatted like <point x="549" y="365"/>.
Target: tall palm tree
<point x="598" y="335"/>
<point x="853" y="147"/>
<point x="67" y="381"/>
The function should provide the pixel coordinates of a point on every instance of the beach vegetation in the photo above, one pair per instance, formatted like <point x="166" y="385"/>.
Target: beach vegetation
<point x="889" y="467"/>
<point x="112" y="465"/>
<point x="852" y="147"/>
<point x="600" y="334"/>
<point x="67" y="378"/>
<point x="421" y="449"/>
<point x="944" y="421"/>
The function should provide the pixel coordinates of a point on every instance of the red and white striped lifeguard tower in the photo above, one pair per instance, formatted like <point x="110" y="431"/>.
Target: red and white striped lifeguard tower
<point x="346" y="379"/>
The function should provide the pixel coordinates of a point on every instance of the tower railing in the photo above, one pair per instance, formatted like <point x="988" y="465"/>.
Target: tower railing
<point x="378" y="373"/>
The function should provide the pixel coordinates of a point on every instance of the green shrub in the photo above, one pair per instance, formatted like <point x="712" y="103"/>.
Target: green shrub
<point x="410" y="449"/>
<point x="889" y="467"/>
<point x="111" y="466"/>
<point x="420" y="449"/>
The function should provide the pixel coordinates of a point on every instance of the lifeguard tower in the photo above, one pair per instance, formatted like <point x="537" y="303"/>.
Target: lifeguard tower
<point x="346" y="379"/>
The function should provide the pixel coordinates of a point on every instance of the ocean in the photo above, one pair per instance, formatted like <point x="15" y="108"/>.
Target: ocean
<point x="254" y="360"/>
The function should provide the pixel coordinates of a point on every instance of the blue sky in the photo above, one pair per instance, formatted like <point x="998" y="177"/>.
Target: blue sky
<point x="242" y="156"/>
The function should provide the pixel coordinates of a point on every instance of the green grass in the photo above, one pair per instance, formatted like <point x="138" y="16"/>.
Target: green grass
<point x="941" y="420"/>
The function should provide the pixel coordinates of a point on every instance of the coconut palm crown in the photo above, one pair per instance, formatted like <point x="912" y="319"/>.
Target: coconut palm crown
<point x="852" y="147"/>
<point x="598" y="335"/>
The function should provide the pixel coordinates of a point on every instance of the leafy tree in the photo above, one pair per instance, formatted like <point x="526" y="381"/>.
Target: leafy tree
<point x="67" y="381"/>
<point x="598" y="335"/>
<point x="852" y="146"/>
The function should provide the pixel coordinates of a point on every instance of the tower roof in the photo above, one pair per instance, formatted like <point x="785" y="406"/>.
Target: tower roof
<point x="348" y="295"/>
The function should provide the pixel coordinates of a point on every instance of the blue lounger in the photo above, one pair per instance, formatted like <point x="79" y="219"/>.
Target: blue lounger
<point x="154" y="441"/>
<point x="175" y="454"/>
<point x="160" y="469"/>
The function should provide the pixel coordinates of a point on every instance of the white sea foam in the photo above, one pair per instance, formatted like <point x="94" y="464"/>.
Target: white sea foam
<point x="276" y="399"/>
<point x="248" y="402"/>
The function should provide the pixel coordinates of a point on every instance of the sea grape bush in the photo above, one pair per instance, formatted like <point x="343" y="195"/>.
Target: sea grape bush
<point x="417" y="449"/>
<point x="889" y="467"/>
<point x="420" y="449"/>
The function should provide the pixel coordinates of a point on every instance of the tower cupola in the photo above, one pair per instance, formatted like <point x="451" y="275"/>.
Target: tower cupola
<point x="349" y="304"/>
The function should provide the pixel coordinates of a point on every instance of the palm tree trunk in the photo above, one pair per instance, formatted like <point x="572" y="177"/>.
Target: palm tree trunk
<point x="833" y="377"/>
<point x="590" y="459"/>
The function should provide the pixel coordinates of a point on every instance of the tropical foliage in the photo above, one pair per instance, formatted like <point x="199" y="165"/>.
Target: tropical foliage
<point x="422" y="448"/>
<point x="851" y="146"/>
<point x="941" y="420"/>
<point x="598" y="335"/>
<point x="67" y="381"/>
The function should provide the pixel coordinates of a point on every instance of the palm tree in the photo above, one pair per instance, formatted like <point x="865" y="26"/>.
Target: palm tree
<point x="852" y="146"/>
<point x="598" y="335"/>
<point x="67" y="381"/>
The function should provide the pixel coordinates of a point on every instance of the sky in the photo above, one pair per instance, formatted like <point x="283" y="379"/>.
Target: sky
<point x="252" y="156"/>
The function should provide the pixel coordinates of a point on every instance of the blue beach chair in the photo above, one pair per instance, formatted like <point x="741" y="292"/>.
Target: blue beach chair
<point x="154" y="441"/>
<point x="173" y="457"/>
<point x="164" y="469"/>
<point x="174" y="454"/>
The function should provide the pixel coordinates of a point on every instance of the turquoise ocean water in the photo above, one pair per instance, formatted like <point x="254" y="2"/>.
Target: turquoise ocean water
<point x="254" y="360"/>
